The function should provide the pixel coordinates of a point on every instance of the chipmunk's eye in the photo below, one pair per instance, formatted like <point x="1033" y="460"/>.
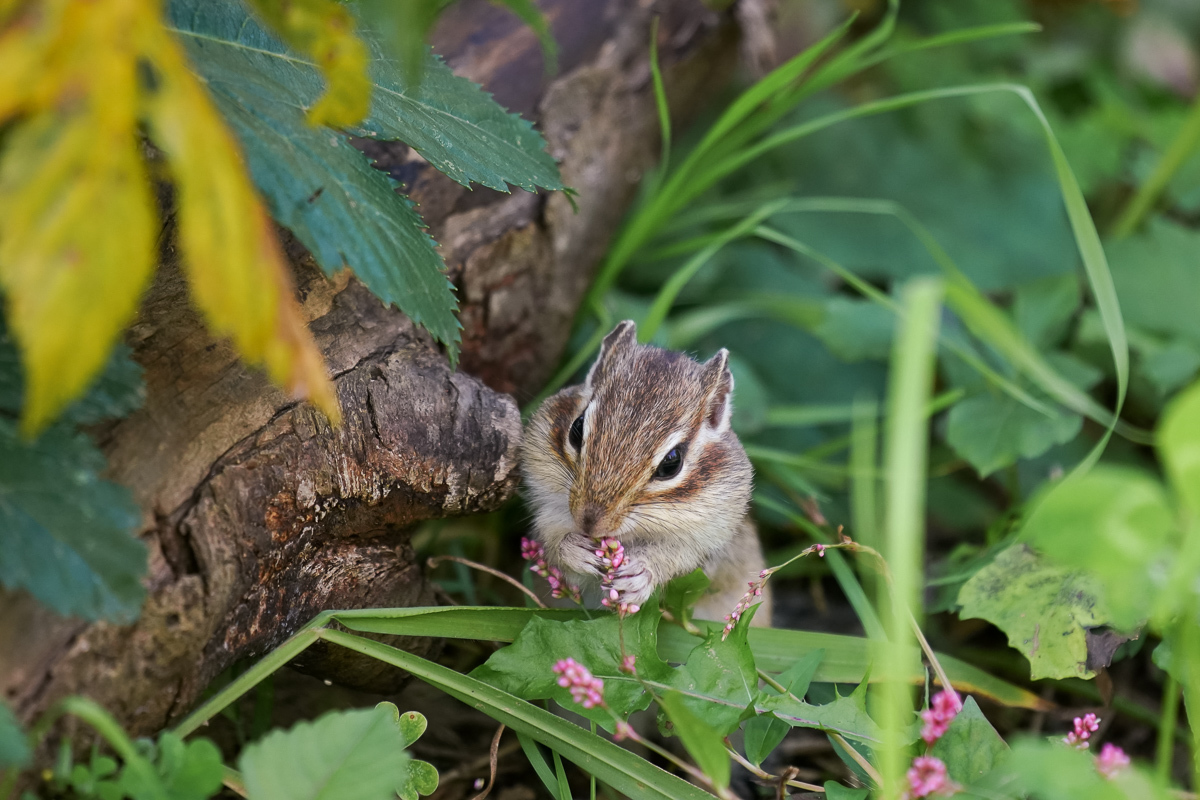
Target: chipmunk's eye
<point x="575" y="435"/>
<point x="669" y="466"/>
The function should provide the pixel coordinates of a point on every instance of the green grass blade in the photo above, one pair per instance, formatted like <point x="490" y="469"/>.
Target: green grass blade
<point x="577" y="360"/>
<point x="540" y="766"/>
<point x="617" y="767"/>
<point x="864" y="485"/>
<point x="847" y="657"/>
<point x="1179" y="151"/>
<point x="660" y="102"/>
<point x="674" y="285"/>
<point x="906" y="460"/>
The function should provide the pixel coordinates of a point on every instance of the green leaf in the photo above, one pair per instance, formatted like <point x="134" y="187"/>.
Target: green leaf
<point x="1043" y="309"/>
<point x="682" y="594"/>
<point x="66" y="534"/>
<point x="342" y="755"/>
<point x="855" y="330"/>
<point x="992" y="431"/>
<point x="14" y="749"/>
<point x="704" y="744"/>
<point x="315" y="183"/>
<point x="1158" y="286"/>
<point x="525" y="668"/>
<point x="718" y="682"/>
<point x="186" y="771"/>
<point x="421" y="777"/>
<point x="836" y="791"/>
<point x="1044" y="609"/>
<point x="1179" y="447"/>
<point x="798" y="676"/>
<point x="1049" y="771"/>
<point x="761" y="735"/>
<point x="970" y="746"/>
<point x="1126" y="522"/>
<point x="845" y="715"/>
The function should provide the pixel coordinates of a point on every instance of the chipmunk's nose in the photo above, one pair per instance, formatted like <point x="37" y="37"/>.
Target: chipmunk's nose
<point x="588" y="519"/>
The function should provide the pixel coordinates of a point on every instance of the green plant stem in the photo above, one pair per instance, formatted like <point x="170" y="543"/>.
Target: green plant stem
<point x="906" y="458"/>
<point x="766" y="776"/>
<point x="1165" y="749"/>
<point x="1181" y="148"/>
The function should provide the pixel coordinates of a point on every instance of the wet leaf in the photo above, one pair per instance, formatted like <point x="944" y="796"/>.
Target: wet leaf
<point x="1044" y="609"/>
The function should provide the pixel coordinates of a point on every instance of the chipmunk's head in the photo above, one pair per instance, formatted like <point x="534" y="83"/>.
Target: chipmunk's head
<point x="643" y="450"/>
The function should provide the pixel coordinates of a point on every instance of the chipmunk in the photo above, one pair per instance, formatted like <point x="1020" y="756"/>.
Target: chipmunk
<point x="643" y="452"/>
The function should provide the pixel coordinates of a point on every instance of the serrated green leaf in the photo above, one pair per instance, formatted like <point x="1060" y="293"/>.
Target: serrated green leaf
<point x="14" y="749"/>
<point x="718" y="682"/>
<point x="1044" y="609"/>
<point x="761" y="735"/>
<point x="970" y="747"/>
<point x="703" y="743"/>
<point x="525" y="668"/>
<point x="66" y="534"/>
<point x="315" y="183"/>
<point x="1124" y="517"/>
<point x="845" y="715"/>
<point x="342" y="755"/>
<point x="992" y="431"/>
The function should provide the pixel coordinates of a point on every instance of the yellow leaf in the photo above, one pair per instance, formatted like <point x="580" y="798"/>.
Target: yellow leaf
<point x="323" y="30"/>
<point x="77" y="220"/>
<point x="235" y="268"/>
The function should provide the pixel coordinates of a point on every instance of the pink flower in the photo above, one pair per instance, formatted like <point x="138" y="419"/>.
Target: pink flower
<point x="1111" y="760"/>
<point x="629" y="664"/>
<point x="1085" y="726"/>
<point x="532" y="550"/>
<point x="941" y="712"/>
<point x="820" y="548"/>
<point x="624" y="731"/>
<point x="755" y="590"/>
<point x="586" y="689"/>
<point x="612" y="555"/>
<point x="927" y="776"/>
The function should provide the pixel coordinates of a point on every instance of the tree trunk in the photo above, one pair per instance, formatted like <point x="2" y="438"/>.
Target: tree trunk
<point x="257" y="514"/>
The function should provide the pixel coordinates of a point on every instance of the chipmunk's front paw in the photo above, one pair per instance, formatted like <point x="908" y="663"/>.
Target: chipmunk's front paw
<point x="632" y="582"/>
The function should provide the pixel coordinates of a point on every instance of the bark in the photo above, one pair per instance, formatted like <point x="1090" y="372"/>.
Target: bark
<point x="257" y="514"/>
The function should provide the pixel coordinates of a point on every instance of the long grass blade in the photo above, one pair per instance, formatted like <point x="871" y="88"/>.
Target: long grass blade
<point x="906" y="460"/>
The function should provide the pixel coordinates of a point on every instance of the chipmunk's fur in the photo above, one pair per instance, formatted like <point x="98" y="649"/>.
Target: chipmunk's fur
<point x="638" y="404"/>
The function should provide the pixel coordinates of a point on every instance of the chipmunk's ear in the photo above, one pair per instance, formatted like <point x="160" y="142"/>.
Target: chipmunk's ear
<point x="718" y="385"/>
<point x="621" y="338"/>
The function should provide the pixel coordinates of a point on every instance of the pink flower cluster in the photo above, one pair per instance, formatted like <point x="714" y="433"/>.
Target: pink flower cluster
<point x="534" y="552"/>
<point x="629" y="665"/>
<point x="586" y="689"/>
<point x="1085" y="726"/>
<point x="755" y="590"/>
<point x="927" y="776"/>
<point x="612" y="555"/>
<point x="941" y="712"/>
<point x="820" y="548"/>
<point x="1112" y="759"/>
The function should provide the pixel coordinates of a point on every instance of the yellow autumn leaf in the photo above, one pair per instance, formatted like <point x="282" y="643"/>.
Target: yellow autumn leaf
<point x="235" y="267"/>
<point x="77" y="222"/>
<point x="323" y="30"/>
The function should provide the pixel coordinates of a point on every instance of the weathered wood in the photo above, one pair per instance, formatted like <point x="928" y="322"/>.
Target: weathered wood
<point x="257" y="514"/>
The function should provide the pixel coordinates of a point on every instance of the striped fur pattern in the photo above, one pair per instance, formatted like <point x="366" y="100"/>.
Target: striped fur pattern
<point x="638" y="404"/>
